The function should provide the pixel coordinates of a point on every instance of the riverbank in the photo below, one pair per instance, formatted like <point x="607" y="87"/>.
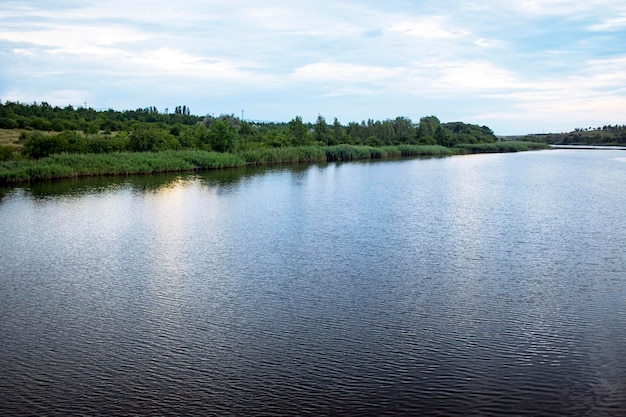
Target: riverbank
<point x="602" y="147"/>
<point x="129" y="163"/>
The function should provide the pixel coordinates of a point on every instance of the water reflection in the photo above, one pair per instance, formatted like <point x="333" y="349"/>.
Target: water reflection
<point x="222" y="180"/>
<point x="481" y="285"/>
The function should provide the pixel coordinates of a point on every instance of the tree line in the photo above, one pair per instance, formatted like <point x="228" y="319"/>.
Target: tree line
<point x="47" y="130"/>
<point x="608" y="135"/>
<point x="42" y="116"/>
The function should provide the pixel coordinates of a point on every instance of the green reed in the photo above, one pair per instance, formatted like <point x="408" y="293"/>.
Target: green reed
<point x="498" y="147"/>
<point x="127" y="163"/>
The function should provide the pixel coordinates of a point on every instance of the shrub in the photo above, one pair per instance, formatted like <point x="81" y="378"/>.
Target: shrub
<point x="6" y="153"/>
<point x="38" y="145"/>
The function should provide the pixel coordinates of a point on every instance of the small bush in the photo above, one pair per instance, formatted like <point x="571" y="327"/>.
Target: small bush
<point x="6" y="153"/>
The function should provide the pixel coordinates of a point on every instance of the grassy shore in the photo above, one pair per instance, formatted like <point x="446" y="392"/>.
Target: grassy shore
<point x="500" y="147"/>
<point x="127" y="163"/>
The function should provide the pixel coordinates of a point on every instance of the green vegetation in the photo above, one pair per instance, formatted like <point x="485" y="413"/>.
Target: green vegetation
<point x="510" y="146"/>
<point x="124" y="163"/>
<point x="38" y="141"/>
<point x="602" y="136"/>
<point x="42" y="130"/>
<point x="267" y="156"/>
<point x="68" y="165"/>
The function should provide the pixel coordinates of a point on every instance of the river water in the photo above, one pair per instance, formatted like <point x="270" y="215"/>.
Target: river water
<point x="470" y="285"/>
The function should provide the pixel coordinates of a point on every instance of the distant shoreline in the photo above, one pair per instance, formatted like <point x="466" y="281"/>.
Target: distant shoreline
<point x="607" y="147"/>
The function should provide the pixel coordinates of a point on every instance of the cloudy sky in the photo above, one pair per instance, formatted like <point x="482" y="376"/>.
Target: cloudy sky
<point x="517" y="66"/>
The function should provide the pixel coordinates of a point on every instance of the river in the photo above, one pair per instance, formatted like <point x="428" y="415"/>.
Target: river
<point x="468" y="285"/>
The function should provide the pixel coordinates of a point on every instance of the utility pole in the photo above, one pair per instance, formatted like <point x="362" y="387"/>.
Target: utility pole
<point x="242" y="115"/>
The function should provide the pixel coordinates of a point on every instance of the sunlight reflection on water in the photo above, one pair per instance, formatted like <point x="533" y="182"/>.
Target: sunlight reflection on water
<point x="482" y="284"/>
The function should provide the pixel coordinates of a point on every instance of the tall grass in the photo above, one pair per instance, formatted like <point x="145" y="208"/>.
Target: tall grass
<point x="209" y="160"/>
<point x="352" y="152"/>
<point x="498" y="147"/>
<point x="425" y="150"/>
<point x="123" y="163"/>
<point x="126" y="163"/>
<point x="267" y="156"/>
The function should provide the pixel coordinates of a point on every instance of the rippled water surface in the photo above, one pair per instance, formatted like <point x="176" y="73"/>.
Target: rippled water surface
<point x="475" y="285"/>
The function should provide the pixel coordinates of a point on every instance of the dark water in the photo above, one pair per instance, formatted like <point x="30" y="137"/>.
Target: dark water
<point x="476" y="285"/>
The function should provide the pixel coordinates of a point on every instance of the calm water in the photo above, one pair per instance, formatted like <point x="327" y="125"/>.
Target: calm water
<point x="474" y="285"/>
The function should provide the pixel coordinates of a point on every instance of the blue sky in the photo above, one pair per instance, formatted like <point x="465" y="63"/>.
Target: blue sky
<point x="519" y="67"/>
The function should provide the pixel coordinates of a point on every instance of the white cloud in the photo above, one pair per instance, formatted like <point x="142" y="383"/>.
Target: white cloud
<point x="176" y="62"/>
<point x="597" y="96"/>
<point x="157" y="12"/>
<point x="560" y="7"/>
<point x="489" y="43"/>
<point x="613" y="24"/>
<point x="345" y="72"/>
<point x="430" y="28"/>
<point x="23" y="51"/>
<point x="476" y="76"/>
<point x="77" y="39"/>
<point x="515" y="61"/>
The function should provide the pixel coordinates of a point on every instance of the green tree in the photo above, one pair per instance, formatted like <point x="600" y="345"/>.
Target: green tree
<point x="91" y="128"/>
<point x="469" y="133"/>
<point x="277" y="137"/>
<point x="145" y="138"/>
<point x="74" y="142"/>
<point x="246" y="129"/>
<point x="428" y="126"/>
<point x="383" y="131"/>
<point x="108" y="144"/>
<point x="8" y="123"/>
<point x="39" y="145"/>
<point x="222" y="136"/>
<point x="444" y="137"/>
<point x="321" y="131"/>
<point x="299" y="131"/>
<point x="39" y="123"/>
<point x="338" y="132"/>
<point x="357" y="132"/>
<point x="373" y="141"/>
<point x="57" y="124"/>
<point x="404" y="129"/>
